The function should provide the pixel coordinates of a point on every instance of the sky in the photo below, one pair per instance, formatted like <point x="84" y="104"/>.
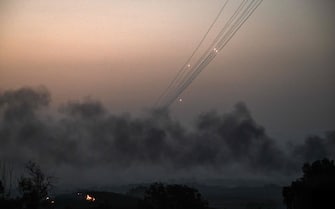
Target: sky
<point x="125" y="52"/>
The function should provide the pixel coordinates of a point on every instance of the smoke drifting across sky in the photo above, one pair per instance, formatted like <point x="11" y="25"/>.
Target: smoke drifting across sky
<point x="85" y="139"/>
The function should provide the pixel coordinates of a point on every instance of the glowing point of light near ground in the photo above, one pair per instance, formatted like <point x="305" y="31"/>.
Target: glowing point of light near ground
<point x="180" y="99"/>
<point x="189" y="65"/>
<point x="90" y="198"/>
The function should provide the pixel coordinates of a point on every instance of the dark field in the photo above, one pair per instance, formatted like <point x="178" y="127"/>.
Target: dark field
<point x="218" y="197"/>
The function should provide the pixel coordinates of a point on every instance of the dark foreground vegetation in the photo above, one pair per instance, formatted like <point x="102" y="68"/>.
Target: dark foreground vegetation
<point x="315" y="189"/>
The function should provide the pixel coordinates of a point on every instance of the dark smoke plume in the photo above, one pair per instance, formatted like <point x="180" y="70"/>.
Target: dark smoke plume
<point x="87" y="135"/>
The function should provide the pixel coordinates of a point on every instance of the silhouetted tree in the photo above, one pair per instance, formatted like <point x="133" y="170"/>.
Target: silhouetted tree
<point x="160" y="196"/>
<point x="316" y="189"/>
<point x="35" y="187"/>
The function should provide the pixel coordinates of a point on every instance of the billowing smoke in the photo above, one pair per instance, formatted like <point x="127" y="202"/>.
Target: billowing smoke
<point x="86" y="135"/>
<point x="316" y="147"/>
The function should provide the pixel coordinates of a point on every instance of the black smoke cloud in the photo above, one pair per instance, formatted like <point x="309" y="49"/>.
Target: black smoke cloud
<point x="86" y="135"/>
<point x="316" y="147"/>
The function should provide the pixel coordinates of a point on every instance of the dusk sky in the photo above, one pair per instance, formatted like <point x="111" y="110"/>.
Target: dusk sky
<point x="124" y="53"/>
